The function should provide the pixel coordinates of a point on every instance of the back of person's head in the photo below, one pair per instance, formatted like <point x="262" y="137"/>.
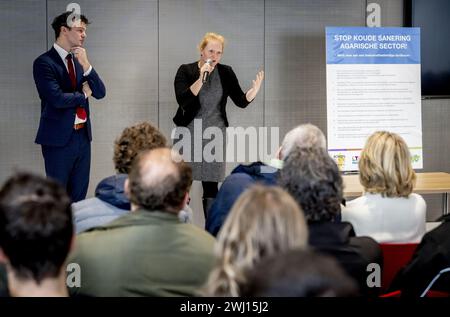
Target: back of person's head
<point x="61" y="20"/>
<point x="134" y="139"/>
<point x="263" y="221"/>
<point x="385" y="165"/>
<point x="299" y="273"/>
<point x="35" y="226"/>
<point x="304" y="136"/>
<point x="312" y="177"/>
<point x="159" y="181"/>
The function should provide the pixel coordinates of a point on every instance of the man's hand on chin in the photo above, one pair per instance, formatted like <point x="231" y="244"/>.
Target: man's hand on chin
<point x="81" y="56"/>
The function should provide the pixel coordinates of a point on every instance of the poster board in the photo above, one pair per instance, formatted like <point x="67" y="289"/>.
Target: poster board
<point x="373" y="84"/>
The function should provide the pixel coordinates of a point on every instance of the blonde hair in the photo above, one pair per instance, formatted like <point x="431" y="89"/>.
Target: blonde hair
<point x="211" y="36"/>
<point x="264" y="221"/>
<point x="385" y="166"/>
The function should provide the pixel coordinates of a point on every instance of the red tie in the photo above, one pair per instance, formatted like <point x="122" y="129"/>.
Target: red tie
<point x="81" y="113"/>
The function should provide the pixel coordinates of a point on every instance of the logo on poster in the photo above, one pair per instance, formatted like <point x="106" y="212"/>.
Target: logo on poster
<point x="415" y="158"/>
<point x="340" y="160"/>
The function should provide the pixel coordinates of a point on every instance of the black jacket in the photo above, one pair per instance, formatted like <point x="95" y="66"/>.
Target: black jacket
<point x="189" y="104"/>
<point x="353" y="253"/>
<point x="431" y="256"/>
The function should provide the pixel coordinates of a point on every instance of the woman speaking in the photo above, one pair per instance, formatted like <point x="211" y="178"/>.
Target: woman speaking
<point x="202" y="89"/>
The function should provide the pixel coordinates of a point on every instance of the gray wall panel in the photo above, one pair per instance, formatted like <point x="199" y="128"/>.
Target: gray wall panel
<point x="182" y="24"/>
<point x="391" y="12"/>
<point x="243" y="50"/>
<point x="122" y="46"/>
<point x="23" y="29"/>
<point x="295" y="58"/>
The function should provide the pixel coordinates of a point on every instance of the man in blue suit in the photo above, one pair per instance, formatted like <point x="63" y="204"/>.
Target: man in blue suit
<point x="65" y="80"/>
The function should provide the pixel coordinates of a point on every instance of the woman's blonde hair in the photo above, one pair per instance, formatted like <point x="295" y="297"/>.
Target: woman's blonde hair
<point x="264" y="221"/>
<point x="210" y="36"/>
<point x="385" y="166"/>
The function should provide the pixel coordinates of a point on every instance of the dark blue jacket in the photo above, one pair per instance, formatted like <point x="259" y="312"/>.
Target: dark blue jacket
<point x="58" y="100"/>
<point x="239" y="180"/>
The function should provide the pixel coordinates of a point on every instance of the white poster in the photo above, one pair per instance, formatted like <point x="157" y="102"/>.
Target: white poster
<point x="373" y="84"/>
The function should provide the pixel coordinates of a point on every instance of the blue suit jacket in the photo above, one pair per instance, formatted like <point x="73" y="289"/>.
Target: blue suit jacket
<point x="58" y="101"/>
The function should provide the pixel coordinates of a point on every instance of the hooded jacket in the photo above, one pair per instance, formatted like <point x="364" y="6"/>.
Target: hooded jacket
<point x="109" y="203"/>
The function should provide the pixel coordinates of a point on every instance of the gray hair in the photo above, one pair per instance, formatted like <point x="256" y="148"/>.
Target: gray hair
<point x="303" y="136"/>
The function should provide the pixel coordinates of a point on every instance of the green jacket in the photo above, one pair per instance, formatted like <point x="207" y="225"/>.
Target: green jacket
<point x="143" y="253"/>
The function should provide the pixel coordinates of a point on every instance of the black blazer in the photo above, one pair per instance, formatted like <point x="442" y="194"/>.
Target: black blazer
<point x="189" y="105"/>
<point x="354" y="254"/>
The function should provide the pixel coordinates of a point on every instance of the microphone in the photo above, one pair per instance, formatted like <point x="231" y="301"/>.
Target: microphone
<point x="206" y="73"/>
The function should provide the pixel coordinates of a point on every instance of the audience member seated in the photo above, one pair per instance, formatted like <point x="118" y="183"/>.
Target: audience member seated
<point x="263" y="222"/>
<point x="110" y="201"/>
<point x="299" y="273"/>
<point x="36" y="234"/>
<point x="147" y="252"/>
<point x="305" y="135"/>
<point x="388" y="211"/>
<point x="431" y="256"/>
<point x="313" y="179"/>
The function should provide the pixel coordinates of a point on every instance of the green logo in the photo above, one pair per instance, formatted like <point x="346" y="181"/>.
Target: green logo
<point x="415" y="158"/>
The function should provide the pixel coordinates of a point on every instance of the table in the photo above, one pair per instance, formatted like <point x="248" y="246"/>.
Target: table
<point x="426" y="183"/>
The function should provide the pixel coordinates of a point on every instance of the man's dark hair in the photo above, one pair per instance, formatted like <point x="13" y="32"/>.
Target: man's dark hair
<point x="134" y="139"/>
<point x="61" y="20"/>
<point x="298" y="273"/>
<point x="35" y="226"/>
<point x="312" y="177"/>
<point x="167" y="193"/>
